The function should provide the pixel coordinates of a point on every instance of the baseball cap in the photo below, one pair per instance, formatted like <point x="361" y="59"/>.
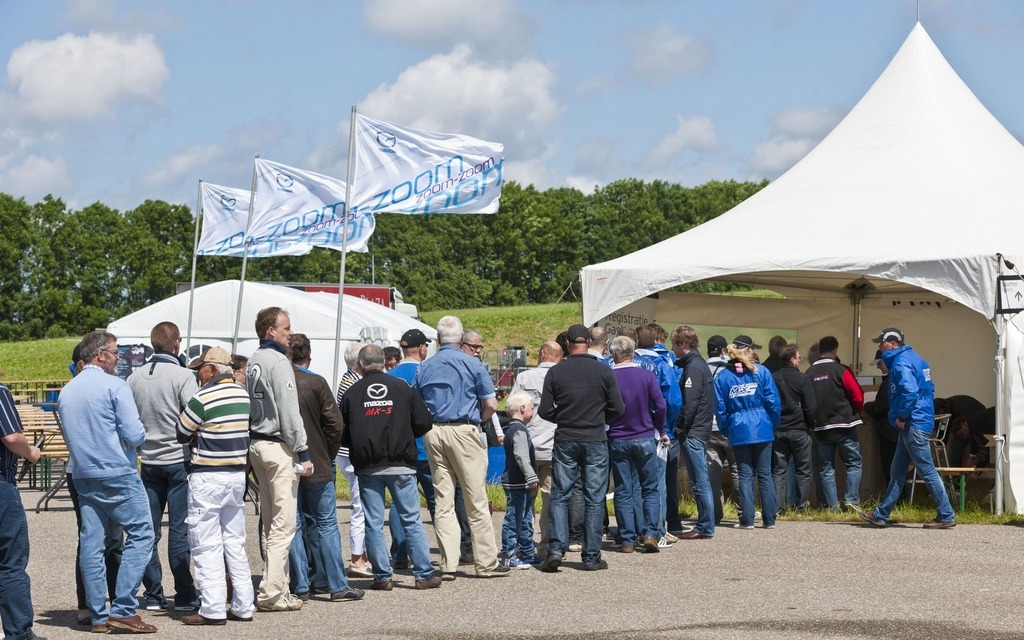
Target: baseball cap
<point x="890" y="333"/>
<point x="716" y="343"/>
<point x="745" y="341"/>
<point x="878" y="356"/>
<point x="214" y="355"/>
<point x="76" y="353"/>
<point x="413" y="338"/>
<point x="578" y="334"/>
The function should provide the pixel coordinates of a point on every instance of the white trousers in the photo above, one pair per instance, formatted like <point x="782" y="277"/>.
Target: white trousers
<point x="216" y="532"/>
<point x="357" y="525"/>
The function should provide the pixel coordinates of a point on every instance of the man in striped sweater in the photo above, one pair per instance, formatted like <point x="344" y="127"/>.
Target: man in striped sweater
<point x="215" y="425"/>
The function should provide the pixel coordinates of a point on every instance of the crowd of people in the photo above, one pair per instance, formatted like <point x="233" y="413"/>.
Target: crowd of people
<point x="597" y="411"/>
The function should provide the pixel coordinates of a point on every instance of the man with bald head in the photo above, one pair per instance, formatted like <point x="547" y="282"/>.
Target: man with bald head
<point x="541" y="431"/>
<point x="599" y="345"/>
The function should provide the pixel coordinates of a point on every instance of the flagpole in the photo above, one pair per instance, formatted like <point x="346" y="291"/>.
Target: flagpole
<point x="344" y="241"/>
<point x="192" y="286"/>
<point x="245" y="257"/>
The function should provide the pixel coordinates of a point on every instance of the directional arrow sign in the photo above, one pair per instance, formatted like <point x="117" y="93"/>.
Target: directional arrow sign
<point x="1011" y="294"/>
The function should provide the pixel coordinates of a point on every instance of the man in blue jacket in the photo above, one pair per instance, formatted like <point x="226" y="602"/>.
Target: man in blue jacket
<point x="912" y="411"/>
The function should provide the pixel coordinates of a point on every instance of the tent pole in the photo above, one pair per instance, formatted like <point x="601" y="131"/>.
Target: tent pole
<point x="1000" y="436"/>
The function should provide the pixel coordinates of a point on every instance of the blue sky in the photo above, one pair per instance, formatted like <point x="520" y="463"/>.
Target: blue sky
<point x="123" y="101"/>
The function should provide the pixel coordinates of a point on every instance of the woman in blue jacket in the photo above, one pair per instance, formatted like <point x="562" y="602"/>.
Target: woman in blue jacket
<point x="747" y="409"/>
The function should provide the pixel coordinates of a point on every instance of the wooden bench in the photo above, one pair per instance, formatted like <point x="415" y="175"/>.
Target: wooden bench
<point x="962" y="473"/>
<point x="43" y="428"/>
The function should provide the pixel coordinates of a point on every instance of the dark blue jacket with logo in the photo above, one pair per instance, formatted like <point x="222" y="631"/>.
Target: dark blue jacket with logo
<point x="746" y="405"/>
<point x="911" y="391"/>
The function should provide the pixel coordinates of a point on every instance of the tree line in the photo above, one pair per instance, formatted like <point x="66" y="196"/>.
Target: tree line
<point x="65" y="272"/>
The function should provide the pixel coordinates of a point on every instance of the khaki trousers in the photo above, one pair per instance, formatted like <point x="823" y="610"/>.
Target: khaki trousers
<point x="456" y="453"/>
<point x="544" y="480"/>
<point x="274" y="468"/>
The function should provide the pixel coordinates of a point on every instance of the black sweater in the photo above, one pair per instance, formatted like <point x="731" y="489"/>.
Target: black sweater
<point x="580" y="396"/>
<point x="799" y="407"/>
<point x="698" y="398"/>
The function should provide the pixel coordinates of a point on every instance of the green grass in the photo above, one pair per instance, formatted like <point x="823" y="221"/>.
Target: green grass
<point x="36" y="359"/>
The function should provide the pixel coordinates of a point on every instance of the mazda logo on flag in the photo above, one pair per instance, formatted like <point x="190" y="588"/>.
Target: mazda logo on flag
<point x="284" y="181"/>
<point x="386" y="139"/>
<point x="228" y="202"/>
<point x="377" y="391"/>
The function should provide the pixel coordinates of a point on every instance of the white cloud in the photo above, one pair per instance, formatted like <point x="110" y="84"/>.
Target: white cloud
<point x="662" y="54"/>
<point x="456" y="93"/>
<point x="36" y="177"/>
<point x="85" y="77"/>
<point x="183" y="164"/>
<point x="795" y="132"/>
<point x="495" y="28"/>
<point x="692" y="133"/>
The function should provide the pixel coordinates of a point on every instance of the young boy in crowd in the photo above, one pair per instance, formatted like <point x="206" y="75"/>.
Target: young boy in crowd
<point x="520" y="484"/>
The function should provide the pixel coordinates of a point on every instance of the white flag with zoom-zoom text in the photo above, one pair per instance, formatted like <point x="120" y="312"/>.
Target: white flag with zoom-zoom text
<point x="297" y="210"/>
<point x="403" y="170"/>
<point x="225" y="211"/>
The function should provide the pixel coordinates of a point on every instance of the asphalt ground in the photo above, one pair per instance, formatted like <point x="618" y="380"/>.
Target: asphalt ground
<point x="802" y="580"/>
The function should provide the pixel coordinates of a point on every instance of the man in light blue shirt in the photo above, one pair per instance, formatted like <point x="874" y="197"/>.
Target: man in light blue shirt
<point x="103" y="431"/>
<point x="460" y="395"/>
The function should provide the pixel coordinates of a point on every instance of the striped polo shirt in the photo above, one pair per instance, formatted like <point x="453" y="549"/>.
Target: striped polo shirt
<point x="215" y="423"/>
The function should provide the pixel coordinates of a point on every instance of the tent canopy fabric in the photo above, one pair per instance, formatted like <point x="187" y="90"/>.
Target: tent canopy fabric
<point x="918" y="187"/>
<point x="314" y="314"/>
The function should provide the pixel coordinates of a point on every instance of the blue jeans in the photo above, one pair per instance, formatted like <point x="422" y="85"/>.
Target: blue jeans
<point x="756" y="459"/>
<point x="113" y="545"/>
<point x="317" y="509"/>
<point x="849" y="453"/>
<point x="15" y="594"/>
<point x="570" y="460"/>
<point x="517" y="529"/>
<point x="636" y="460"/>
<point x="123" y="500"/>
<point x="695" y="451"/>
<point x="167" y="486"/>
<point x="912" y="446"/>
<point x="399" y="549"/>
<point x="407" y="501"/>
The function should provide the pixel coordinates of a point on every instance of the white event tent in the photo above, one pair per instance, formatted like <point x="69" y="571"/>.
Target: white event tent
<point x="313" y="314"/>
<point x="911" y="208"/>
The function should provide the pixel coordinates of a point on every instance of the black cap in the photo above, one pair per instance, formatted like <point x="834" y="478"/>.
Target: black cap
<point x="413" y="338"/>
<point x="890" y="334"/>
<point x="745" y="341"/>
<point x="878" y="356"/>
<point x="578" y="334"/>
<point x="716" y="343"/>
<point x="76" y="353"/>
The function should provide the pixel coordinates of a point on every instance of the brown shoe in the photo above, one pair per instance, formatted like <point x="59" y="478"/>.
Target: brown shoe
<point x="651" y="545"/>
<point x="626" y="548"/>
<point x="382" y="585"/>
<point x="196" y="619"/>
<point x="693" y="535"/>
<point x="133" y="624"/>
<point x="432" y="582"/>
<point x="237" y="618"/>
<point x="100" y="628"/>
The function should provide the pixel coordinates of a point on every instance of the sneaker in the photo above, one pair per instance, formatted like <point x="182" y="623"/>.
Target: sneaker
<point x="516" y="563"/>
<point x="742" y="526"/>
<point x="935" y="524"/>
<point x="664" y="542"/>
<point x="448" y="576"/>
<point x="466" y="556"/>
<point x="383" y="585"/>
<point x="768" y="526"/>
<point x="872" y="518"/>
<point x="595" y="566"/>
<point x="187" y="606"/>
<point x="356" y="571"/>
<point x="432" y="582"/>
<point x="155" y="605"/>
<point x="287" y="602"/>
<point x="303" y="596"/>
<point x="681" y="530"/>
<point x="551" y="563"/>
<point x="348" y="593"/>
<point x="651" y="545"/>
<point x="575" y="547"/>
<point x="497" y="572"/>
<point x="671" y="538"/>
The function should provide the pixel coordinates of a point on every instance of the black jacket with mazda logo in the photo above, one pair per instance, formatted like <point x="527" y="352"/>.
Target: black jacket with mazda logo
<point x="383" y="416"/>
